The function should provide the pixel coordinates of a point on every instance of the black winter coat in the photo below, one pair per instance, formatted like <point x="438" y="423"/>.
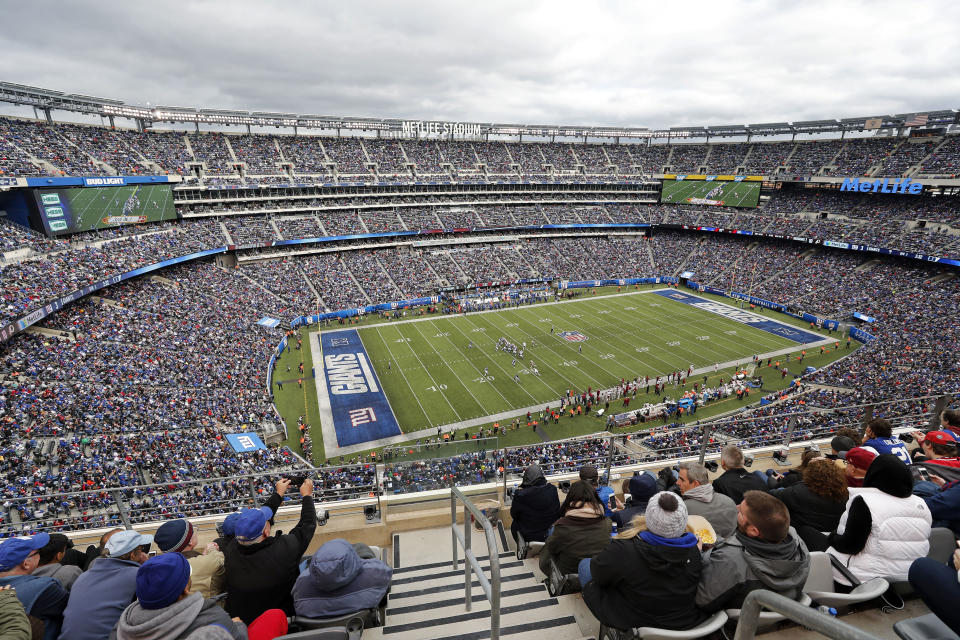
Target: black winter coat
<point x="808" y="509"/>
<point x="637" y="584"/>
<point x="261" y="576"/>
<point x="534" y="509"/>
<point x="573" y="539"/>
<point x="736" y="482"/>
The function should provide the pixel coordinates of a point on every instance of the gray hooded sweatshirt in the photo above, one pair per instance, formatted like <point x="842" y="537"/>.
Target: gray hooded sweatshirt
<point x="740" y="564"/>
<point x="175" y="621"/>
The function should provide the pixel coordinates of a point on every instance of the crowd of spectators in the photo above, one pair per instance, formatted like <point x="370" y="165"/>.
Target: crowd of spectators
<point x="688" y="158"/>
<point x="258" y="152"/>
<point x="211" y="149"/>
<point x="726" y="158"/>
<point x="348" y="154"/>
<point x="110" y="147"/>
<point x="129" y="151"/>
<point x="389" y="157"/>
<point x="944" y="160"/>
<point x="809" y="157"/>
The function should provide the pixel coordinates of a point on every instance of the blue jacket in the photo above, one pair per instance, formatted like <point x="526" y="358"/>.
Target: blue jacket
<point x="944" y="506"/>
<point x="339" y="582"/>
<point x="98" y="597"/>
<point x="41" y="597"/>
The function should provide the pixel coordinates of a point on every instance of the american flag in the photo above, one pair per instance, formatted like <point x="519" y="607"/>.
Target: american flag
<point x="917" y="120"/>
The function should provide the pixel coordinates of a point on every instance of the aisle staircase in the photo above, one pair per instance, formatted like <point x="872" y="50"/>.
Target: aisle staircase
<point x="427" y="598"/>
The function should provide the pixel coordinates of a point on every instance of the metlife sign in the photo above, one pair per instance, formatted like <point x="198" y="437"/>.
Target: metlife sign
<point x="882" y="185"/>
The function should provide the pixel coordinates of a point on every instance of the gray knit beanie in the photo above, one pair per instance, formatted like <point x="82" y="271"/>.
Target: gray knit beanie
<point x="666" y="515"/>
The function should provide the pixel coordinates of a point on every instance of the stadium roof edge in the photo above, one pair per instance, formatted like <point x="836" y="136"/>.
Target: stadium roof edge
<point x="48" y="99"/>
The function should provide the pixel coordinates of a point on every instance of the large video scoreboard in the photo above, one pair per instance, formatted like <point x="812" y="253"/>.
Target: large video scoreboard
<point x="74" y="209"/>
<point x="718" y="191"/>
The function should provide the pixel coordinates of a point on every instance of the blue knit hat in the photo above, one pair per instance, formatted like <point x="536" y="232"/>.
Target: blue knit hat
<point x="174" y="535"/>
<point x="161" y="580"/>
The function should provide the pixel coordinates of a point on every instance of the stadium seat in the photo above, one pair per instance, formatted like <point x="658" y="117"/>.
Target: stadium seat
<point x="559" y="584"/>
<point x="942" y="544"/>
<point x="820" y="588"/>
<point x="710" y="625"/>
<point x="527" y="549"/>
<point x="358" y="620"/>
<point x="928" y="627"/>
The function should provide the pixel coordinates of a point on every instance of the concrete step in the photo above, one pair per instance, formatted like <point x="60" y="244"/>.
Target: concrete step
<point x="427" y="597"/>
<point x="423" y="588"/>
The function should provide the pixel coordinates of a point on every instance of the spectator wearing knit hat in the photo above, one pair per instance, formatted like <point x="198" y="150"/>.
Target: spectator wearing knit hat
<point x="166" y="607"/>
<point x="649" y="579"/>
<point x="41" y="596"/>
<point x="208" y="570"/>
<point x="262" y="569"/>
<point x="101" y="593"/>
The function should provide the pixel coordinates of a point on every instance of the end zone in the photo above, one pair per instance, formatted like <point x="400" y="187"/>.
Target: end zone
<point x="745" y="317"/>
<point x="354" y="411"/>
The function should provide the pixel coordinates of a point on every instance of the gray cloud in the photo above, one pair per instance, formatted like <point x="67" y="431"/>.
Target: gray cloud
<point x="541" y="62"/>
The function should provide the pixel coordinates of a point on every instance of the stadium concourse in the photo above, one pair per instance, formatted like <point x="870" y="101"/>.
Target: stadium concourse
<point x="123" y="406"/>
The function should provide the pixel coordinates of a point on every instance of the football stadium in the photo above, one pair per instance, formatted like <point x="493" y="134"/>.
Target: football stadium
<point x="277" y="375"/>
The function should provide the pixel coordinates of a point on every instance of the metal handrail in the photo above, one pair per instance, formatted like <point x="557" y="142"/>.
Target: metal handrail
<point x="491" y="587"/>
<point x="810" y="618"/>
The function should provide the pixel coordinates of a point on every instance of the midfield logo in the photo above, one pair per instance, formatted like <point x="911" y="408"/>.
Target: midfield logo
<point x="573" y="336"/>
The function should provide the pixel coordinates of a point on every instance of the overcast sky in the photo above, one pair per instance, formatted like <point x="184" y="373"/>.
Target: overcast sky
<point x="634" y="63"/>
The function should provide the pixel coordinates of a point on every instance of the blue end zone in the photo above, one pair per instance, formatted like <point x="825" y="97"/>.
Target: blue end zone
<point x="360" y="409"/>
<point x="745" y="317"/>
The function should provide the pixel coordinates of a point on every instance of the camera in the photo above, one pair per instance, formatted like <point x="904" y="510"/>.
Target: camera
<point x="295" y="481"/>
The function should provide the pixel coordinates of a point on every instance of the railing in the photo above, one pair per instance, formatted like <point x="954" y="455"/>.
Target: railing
<point x="491" y="587"/>
<point x="809" y="618"/>
<point x="128" y="505"/>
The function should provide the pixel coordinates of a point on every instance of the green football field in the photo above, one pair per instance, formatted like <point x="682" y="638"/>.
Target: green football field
<point x="432" y="376"/>
<point x="92" y="204"/>
<point x="733" y="194"/>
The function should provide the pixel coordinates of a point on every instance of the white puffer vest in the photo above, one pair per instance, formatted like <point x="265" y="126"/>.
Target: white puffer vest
<point x="899" y="534"/>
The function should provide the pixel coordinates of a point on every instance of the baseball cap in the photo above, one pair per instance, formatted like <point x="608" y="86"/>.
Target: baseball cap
<point x="161" y="580"/>
<point x="125" y="541"/>
<point x="251" y="522"/>
<point x="230" y="524"/>
<point x="13" y="551"/>
<point x="589" y="473"/>
<point x="861" y="457"/>
<point x="940" y="437"/>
